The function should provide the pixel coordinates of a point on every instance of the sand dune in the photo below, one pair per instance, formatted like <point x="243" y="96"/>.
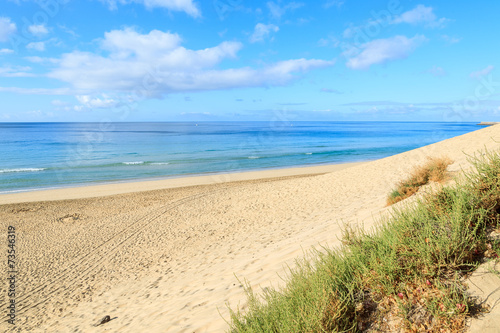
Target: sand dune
<point x="169" y="258"/>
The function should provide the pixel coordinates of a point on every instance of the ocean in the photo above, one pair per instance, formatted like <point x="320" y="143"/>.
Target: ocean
<point x="51" y="155"/>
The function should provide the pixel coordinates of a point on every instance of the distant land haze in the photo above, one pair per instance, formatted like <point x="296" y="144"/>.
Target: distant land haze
<point x="488" y="123"/>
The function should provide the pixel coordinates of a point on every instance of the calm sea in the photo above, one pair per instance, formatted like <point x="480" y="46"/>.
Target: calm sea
<point x="51" y="155"/>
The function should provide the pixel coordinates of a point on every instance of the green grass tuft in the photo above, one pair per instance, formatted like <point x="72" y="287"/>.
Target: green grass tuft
<point x="406" y="275"/>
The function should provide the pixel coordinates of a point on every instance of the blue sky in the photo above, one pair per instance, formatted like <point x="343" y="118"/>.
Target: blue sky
<point x="178" y="60"/>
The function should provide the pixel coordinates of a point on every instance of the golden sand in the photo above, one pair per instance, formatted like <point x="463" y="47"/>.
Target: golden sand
<point x="167" y="256"/>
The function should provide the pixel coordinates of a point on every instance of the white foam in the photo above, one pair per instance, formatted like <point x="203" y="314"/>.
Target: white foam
<point x="253" y="157"/>
<point x="133" y="163"/>
<point x="21" y="170"/>
<point x="160" y="163"/>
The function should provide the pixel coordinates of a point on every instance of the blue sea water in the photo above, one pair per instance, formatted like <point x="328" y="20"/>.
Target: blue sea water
<point x="50" y="155"/>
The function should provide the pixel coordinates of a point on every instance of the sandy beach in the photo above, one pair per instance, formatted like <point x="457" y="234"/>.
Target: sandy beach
<point x="170" y="255"/>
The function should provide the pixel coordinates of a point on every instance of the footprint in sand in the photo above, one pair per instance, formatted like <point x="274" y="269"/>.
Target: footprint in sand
<point x="70" y="218"/>
<point x="25" y="210"/>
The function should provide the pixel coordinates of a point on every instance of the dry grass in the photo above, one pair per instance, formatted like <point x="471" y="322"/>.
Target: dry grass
<point x="433" y="171"/>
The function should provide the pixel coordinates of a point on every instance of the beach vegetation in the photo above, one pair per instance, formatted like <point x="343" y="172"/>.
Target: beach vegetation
<point x="432" y="171"/>
<point x="404" y="276"/>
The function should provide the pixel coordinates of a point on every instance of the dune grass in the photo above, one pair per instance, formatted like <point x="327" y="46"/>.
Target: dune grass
<point x="434" y="170"/>
<point x="407" y="274"/>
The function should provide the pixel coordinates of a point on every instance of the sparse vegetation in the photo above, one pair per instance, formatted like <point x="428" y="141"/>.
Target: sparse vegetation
<point x="434" y="170"/>
<point x="406" y="275"/>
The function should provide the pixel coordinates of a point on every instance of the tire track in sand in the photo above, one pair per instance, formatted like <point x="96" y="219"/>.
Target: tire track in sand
<point x="94" y="259"/>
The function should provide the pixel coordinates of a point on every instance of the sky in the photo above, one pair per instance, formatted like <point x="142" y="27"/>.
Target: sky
<point x="241" y="60"/>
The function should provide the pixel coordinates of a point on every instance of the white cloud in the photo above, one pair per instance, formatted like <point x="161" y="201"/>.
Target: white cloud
<point x="128" y="42"/>
<point x="285" y="69"/>
<point x="278" y="11"/>
<point x="38" y="30"/>
<point x="421" y="14"/>
<point x="7" y="28"/>
<point x="262" y="31"/>
<point x="40" y="60"/>
<point x="187" y="6"/>
<point x="6" y="51"/>
<point x="381" y="51"/>
<point x="39" y="46"/>
<point x="16" y="71"/>
<point x="96" y="102"/>
<point x="482" y="72"/>
<point x="155" y="64"/>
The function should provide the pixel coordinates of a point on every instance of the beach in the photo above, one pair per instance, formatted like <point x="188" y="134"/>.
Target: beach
<point x="172" y="255"/>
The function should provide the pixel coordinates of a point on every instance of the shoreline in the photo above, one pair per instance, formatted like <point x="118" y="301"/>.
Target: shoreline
<point x="172" y="259"/>
<point x="43" y="174"/>
<point x="129" y="186"/>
